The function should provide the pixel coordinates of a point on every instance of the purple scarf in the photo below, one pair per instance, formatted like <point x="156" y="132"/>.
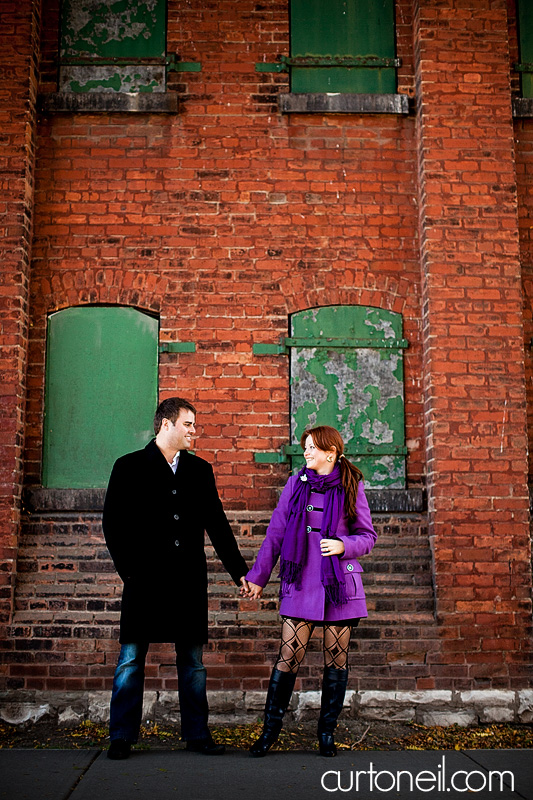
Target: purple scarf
<point x="294" y="547"/>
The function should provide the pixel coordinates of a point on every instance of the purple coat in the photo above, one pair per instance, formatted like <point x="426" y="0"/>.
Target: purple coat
<point x="309" y="602"/>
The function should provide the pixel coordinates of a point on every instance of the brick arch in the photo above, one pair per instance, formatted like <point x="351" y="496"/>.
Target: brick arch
<point x="368" y="289"/>
<point x="102" y="287"/>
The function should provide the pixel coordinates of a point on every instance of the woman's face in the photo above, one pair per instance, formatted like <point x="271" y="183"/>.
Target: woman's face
<point x="317" y="459"/>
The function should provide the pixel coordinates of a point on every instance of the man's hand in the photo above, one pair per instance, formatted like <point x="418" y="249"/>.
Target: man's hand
<point x="244" y="591"/>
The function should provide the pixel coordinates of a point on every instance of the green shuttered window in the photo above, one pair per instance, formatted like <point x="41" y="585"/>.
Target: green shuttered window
<point x="335" y="31"/>
<point x="101" y="392"/>
<point x="525" y="34"/>
<point x="346" y="366"/>
<point x="113" y="46"/>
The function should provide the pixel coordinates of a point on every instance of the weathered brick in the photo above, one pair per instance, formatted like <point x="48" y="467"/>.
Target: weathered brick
<point x="224" y="225"/>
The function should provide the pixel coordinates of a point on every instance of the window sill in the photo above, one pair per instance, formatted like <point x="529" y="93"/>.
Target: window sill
<point x="397" y="501"/>
<point x="522" y="107"/>
<point x="38" y="500"/>
<point x="339" y="103"/>
<point x="46" y="501"/>
<point x="98" y="102"/>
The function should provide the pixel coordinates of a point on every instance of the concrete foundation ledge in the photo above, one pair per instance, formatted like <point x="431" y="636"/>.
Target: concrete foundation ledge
<point x="522" y="107"/>
<point x="230" y="707"/>
<point x="107" y="102"/>
<point x="343" y="103"/>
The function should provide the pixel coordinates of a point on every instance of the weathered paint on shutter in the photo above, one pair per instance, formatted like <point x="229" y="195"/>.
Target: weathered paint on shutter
<point x="358" y="390"/>
<point x="105" y="30"/>
<point x="101" y="392"/>
<point x="525" y="31"/>
<point x="337" y="28"/>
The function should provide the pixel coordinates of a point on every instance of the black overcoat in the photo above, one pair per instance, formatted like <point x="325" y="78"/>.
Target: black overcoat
<point x="154" y="523"/>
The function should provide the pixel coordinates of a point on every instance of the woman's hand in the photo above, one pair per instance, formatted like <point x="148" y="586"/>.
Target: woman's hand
<point x="331" y="547"/>
<point x="254" y="591"/>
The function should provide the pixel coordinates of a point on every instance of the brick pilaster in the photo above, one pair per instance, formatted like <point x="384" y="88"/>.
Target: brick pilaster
<point x="19" y="54"/>
<point x="473" y="341"/>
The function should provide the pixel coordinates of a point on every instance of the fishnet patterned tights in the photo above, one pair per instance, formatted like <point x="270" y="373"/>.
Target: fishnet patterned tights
<point x="295" y="635"/>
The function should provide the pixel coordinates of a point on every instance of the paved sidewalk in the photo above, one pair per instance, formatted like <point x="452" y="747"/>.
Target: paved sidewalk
<point x="178" y="775"/>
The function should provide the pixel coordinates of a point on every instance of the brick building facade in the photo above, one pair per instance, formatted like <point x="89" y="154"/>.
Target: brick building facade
<point x="221" y="205"/>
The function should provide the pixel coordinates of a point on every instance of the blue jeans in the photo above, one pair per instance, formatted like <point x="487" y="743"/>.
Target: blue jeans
<point x="128" y="688"/>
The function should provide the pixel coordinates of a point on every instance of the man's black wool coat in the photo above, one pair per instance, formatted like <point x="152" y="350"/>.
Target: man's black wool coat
<point x="154" y="523"/>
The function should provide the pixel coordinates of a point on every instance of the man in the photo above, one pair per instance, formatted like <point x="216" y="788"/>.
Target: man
<point x="158" y="503"/>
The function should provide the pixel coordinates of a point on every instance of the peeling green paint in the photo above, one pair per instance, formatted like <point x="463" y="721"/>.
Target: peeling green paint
<point x="355" y="322"/>
<point x="112" y="79"/>
<point x="114" y="83"/>
<point x="357" y="390"/>
<point x="377" y="323"/>
<point x="103" y="28"/>
<point x="99" y="30"/>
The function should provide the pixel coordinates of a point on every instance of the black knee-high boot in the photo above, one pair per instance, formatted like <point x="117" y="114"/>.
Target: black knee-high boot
<point x="278" y="698"/>
<point x="334" y="683"/>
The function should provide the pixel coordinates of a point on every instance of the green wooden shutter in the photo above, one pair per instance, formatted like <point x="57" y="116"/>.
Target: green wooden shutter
<point x="113" y="45"/>
<point x="525" y="32"/>
<point x="347" y="371"/>
<point x="101" y="392"/>
<point x="349" y="29"/>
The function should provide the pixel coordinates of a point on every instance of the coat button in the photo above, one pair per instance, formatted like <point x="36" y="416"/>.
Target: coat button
<point x="309" y="529"/>
<point x="176" y="516"/>
<point x="349" y="567"/>
<point x="309" y="508"/>
<point x="174" y="491"/>
<point x="177" y="542"/>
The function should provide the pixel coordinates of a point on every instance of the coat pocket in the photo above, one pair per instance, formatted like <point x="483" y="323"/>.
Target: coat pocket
<point x="353" y="579"/>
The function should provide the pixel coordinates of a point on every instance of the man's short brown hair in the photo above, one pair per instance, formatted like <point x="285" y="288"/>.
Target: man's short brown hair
<point x="170" y="409"/>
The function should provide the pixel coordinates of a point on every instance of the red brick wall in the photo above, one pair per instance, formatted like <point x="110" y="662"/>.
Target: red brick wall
<point x="224" y="220"/>
<point x="19" y="31"/>
<point x="523" y="130"/>
<point x="524" y="170"/>
<point x="473" y="340"/>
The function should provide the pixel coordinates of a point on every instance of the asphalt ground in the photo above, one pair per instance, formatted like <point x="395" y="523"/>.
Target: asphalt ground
<point x="178" y="775"/>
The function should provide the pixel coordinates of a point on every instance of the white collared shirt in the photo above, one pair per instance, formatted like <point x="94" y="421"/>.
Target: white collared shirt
<point x="174" y="463"/>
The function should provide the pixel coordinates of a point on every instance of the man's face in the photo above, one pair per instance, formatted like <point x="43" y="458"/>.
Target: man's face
<point x="179" y="434"/>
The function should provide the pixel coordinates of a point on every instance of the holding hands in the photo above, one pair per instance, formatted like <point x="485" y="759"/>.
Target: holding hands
<point x="250" y="590"/>
<point x="328" y="547"/>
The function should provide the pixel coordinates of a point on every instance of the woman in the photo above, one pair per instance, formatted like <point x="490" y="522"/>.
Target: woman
<point x="320" y="527"/>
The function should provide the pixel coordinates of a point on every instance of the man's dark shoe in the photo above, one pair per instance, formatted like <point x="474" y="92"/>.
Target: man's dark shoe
<point x="119" y="749"/>
<point x="206" y="746"/>
<point x="326" y="745"/>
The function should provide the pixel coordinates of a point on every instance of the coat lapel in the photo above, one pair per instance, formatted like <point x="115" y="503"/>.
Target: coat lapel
<point x="183" y="471"/>
<point x="158" y="465"/>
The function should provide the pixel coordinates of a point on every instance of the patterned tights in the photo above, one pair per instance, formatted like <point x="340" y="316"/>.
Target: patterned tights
<point x="295" y="635"/>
